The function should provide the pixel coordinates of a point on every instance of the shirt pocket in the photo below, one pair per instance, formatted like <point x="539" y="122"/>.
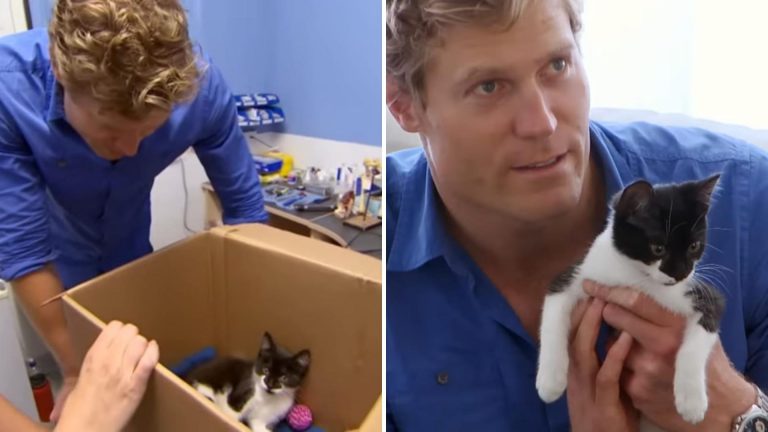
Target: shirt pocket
<point x="460" y="396"/>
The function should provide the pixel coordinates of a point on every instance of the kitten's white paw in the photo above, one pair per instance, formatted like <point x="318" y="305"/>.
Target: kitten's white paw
<point x="551" y="383"/>
<point x="691" y="402"/>
<point x="259" y="428"/>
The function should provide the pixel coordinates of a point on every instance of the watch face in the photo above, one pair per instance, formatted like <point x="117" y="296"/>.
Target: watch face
<point x="758" y="423"/>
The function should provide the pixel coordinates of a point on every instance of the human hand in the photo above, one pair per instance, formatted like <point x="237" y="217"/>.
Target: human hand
<point x="595" y="401"/>
<point x="112" y="381"/>
<point x="650" y="366"/>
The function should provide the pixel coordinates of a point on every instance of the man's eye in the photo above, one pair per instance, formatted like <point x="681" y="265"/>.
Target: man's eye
<point x="487" y="87"/>
<point x="559" y="65"/>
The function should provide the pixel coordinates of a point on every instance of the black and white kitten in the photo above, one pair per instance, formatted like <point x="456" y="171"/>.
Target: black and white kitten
<point x="652" y="242"/>
<point x="257" y="393"/>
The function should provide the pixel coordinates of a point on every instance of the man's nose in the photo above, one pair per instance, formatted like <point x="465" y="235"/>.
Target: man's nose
<point x="535" y="118"/>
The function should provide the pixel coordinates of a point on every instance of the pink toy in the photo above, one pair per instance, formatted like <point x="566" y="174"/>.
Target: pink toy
<point x="299" y="418"/>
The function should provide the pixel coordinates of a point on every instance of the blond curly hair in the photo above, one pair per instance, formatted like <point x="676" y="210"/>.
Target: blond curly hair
<point x="131" y="56"/>
<point x="415" y="25"/>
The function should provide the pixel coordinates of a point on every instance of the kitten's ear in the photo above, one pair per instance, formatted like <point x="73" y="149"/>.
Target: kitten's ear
<point x="303" y="359"/>
<point x="706" y="187"/>
<point x="267" y="344"/>
<point x="634" y="198"/>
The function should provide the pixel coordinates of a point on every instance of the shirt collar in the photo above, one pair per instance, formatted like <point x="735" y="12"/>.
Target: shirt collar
<point x="603" y="144"/>
<point x="421" y="234"/>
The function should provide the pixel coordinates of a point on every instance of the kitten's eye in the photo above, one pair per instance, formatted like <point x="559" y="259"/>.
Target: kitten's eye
<point x="283" y="379"/>
<point x="658" y="250"/>
<point x="694" y="247"/>
<point x="265" y="371"/>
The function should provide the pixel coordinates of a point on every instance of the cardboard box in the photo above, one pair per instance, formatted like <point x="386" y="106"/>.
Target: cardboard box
<point x="224" y="288"/>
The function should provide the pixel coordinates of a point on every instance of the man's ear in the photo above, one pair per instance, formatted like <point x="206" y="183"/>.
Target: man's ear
<point x="402" y="106"/>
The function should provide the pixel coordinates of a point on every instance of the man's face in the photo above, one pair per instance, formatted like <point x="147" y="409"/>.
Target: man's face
<point x="505" y="120"/>
<point x="110" y="135"/>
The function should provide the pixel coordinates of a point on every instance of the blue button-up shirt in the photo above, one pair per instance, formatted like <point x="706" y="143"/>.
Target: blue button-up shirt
<point x="61" y="203"/>
<point x="458" y="357"/>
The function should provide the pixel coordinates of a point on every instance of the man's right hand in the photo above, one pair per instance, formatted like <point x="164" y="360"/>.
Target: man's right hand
<point x="595" y="401"/>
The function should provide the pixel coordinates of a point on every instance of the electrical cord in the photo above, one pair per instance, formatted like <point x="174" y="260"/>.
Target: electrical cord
<point x="264" y="143"/>
<point x="186" y="196"/>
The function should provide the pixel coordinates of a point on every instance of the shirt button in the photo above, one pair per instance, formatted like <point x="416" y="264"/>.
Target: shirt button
<point x="61" y="163"/>
<point x="442" y="378"/>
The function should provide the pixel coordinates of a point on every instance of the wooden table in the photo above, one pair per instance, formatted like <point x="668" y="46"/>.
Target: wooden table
<point x="320" y="225"/>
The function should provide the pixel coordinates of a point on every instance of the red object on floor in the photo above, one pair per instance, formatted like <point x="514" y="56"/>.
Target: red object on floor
<point x="41" y="388"/>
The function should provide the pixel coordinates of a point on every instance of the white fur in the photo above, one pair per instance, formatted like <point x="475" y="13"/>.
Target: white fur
<point x="690" y="371"/>
<point x="262" y="411"/>
<point x="606" y="265"/>
<point x="220" y="400"/>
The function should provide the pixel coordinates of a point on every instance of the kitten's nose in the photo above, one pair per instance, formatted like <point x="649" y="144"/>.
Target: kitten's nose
<point x="681" y="273"/>
<point x="676" y="271"/>
<point x="273" y="384"/>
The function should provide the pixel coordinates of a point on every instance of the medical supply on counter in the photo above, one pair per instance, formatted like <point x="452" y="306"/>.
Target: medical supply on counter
<point x="267" y="165"/>
<point x="287" y="159"/>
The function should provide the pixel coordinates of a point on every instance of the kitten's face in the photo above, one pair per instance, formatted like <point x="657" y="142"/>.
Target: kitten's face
<point x="276" y="371"/>
<point x="663" y="228"/>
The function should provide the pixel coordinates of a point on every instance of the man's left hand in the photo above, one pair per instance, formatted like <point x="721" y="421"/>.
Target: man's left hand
<point x="648" y="376"/>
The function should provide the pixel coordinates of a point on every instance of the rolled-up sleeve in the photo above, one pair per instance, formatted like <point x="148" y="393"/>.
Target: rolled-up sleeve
<point x="225" y="157"/>
<point x="25" y="244"/>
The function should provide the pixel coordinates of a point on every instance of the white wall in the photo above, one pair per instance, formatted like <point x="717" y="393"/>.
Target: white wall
<point x="730" y="62"/>
<point x="14" y="384"/>
<point x="168" y="201"/>
<point x="638" y="54"/>
<point x="308" y="151"/>
<point x="12" y="18"/>
<point x="701" y="58"/>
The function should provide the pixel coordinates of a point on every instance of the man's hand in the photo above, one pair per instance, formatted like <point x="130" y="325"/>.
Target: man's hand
<point x="595" y="402"/>
<point x="112" y="381"/>
<point x="650" y="366"/>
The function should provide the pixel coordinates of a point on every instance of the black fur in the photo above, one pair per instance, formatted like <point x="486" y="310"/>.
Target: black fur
<point x="275" y="365"/>
<point x="563" y="280"/>
<point x="710" y="303"/>
<point x="279" y="368"/>
<point x="666" y="223"/>
<point x="228" y="371"/>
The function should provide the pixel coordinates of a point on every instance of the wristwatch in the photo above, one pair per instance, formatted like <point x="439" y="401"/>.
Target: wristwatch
<point x="756" y="417"/>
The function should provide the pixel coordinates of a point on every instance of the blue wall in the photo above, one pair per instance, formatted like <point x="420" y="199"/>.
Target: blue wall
<point x="40" y="11"/>
<point x="322" y="57"/>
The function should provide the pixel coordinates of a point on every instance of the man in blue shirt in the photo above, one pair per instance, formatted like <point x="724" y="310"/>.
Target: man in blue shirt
<point x="90" y="113"/>
<point x="510" y="189"/>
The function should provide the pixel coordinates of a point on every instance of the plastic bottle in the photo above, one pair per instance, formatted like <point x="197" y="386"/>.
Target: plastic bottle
<point x="41" y="388"/>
